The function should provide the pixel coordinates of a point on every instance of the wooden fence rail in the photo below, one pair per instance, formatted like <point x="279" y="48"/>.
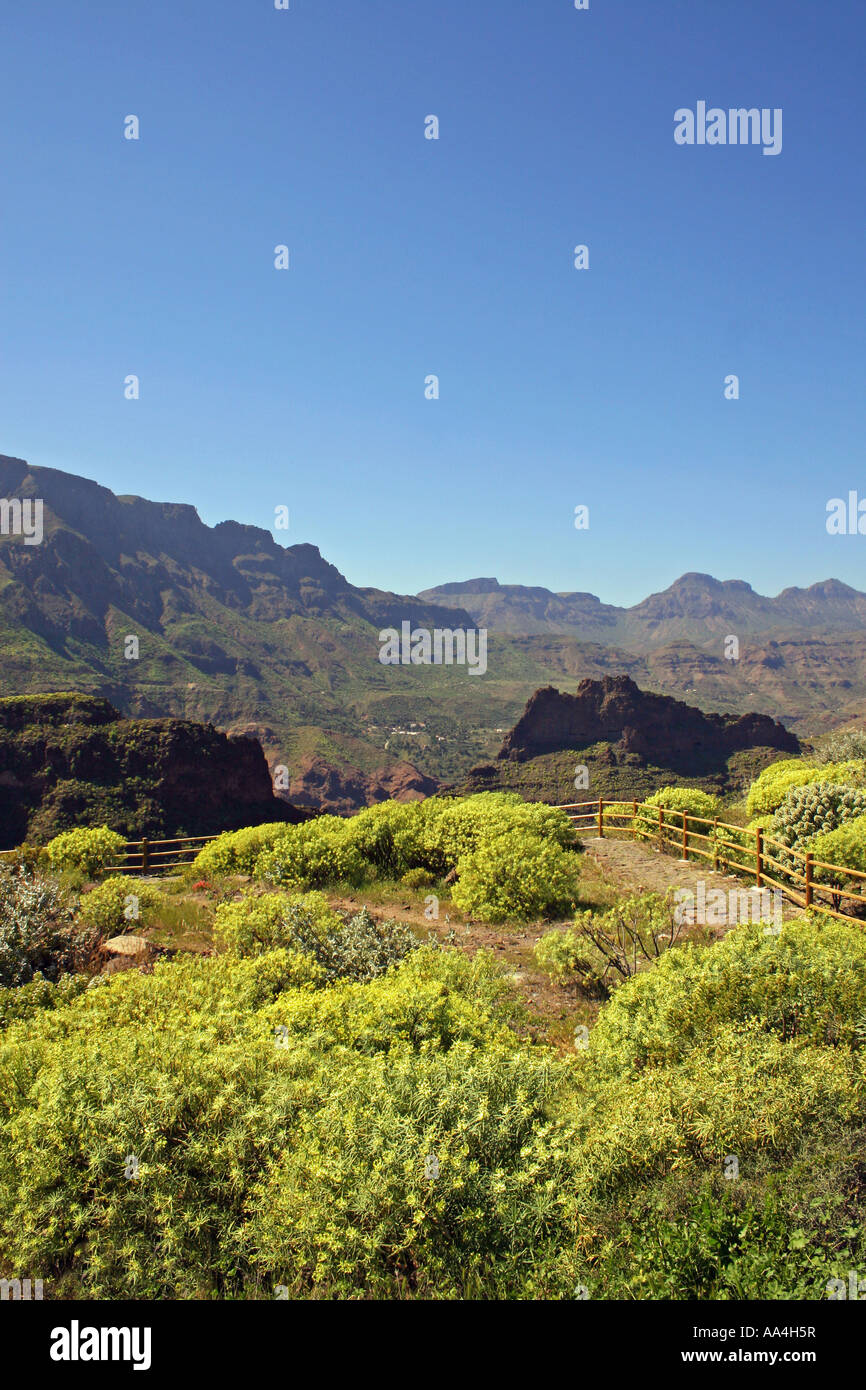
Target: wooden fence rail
<point x="146" y="856"/>
<point x="155" y="856"/>
<point x="654" y="824"/>
<point x="750" y="852"/>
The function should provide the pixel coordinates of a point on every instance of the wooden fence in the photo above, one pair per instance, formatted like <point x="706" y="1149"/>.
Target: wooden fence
<point x="145" y="856"/>
<point x="155" y="856"/>
<point x="804" y="880"/>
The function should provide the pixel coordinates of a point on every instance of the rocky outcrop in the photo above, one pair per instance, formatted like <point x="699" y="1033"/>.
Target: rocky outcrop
<point x="68" y="760"/>
<point x="656" y="728"/>
<point x="342" y="791"/>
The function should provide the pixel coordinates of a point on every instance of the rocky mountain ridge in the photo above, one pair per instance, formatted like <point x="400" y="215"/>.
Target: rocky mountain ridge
<point x="696" y="607"/>
<point x="272" y="642"/>
<point x="616" y="711"/>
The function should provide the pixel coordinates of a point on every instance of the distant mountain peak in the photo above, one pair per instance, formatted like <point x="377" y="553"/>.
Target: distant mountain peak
<point x="826" y="588"/>
<point x="694" y="609"/>
<point x="694" y="579"/>
<point x="470" y="586"/>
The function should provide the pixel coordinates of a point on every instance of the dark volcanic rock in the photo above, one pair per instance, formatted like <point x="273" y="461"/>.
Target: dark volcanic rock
<point x="68" y="760"/>
<point x="656" y="728"/>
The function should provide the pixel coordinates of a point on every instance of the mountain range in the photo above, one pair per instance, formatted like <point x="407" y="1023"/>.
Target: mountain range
<point x="696" y="608"/>
<point x="272" y="641"/>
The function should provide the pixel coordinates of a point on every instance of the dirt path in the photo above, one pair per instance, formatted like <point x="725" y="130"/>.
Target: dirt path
<point x="612" y="867"/>
<point x="643" y="870"/>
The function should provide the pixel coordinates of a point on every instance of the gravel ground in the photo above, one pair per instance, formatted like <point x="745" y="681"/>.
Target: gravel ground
<point x="640" y="869"/>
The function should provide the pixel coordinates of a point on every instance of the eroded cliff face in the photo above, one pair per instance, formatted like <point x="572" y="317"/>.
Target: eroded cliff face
<point x="68" y="760"/>
<point x="342" y="791"/>
<point x="614" y="710"/>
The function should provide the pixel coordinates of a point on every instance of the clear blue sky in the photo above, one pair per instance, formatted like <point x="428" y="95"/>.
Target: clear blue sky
<point x="411" y="257"/>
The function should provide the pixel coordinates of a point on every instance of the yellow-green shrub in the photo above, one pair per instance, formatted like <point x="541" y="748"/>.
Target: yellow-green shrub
<point x="453" y="829"/>
<point x="388" y="840"/>
<point x="845" y="846"/>
<point x="389" y="836"/>
<point x="676" y="803"/>
<point x="807" y="983"/>
<point x="770" y="789"/>
<point x="417" y="878"/>
<point x="213" y="1106"/>
<point x="433" y="1174"/>
<point x="516" y="875"/>
<point x="343" y="946"/>
<point x="690" y="800"/>
<point x="120" y="904"/>
<point x="751" y="1048"/>
<point x="258" y="922"/>
<point x="313" y="855"/>
<point x="85" y="851"/>
<point x="433" y="999"/>
<point x="286" y="1132"/>
<point x="735" y="1091"/>
<point x="237" y="851"/>
<point x="604" y="948"/>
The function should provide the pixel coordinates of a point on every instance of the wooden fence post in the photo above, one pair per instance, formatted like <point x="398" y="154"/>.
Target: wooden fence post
<point x="600" y="818"/>
<point x="145" y="856"/>
<point x="685" y="838"/>
<point x="633" y="820"/>
<point x="661" y="827"/>
<point x="759" y="857"/>
<point x="716" y="844"/>
<point x="809" y="858"/>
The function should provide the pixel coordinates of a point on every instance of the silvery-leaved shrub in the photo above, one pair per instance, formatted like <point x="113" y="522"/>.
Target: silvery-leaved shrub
<point x="359" y="949"/>
<point x="38" y="934"/>
<point x="343" y="947"/>
<point x="843" y="746"/>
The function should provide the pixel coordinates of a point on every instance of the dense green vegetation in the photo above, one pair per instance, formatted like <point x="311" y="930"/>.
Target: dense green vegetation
<point x="290" y="1125"/>
<point x="325" y="1100"/>
<point x="511" y="860"/>
<point x="611" y="773"/>
<point x="70" y="760"/>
